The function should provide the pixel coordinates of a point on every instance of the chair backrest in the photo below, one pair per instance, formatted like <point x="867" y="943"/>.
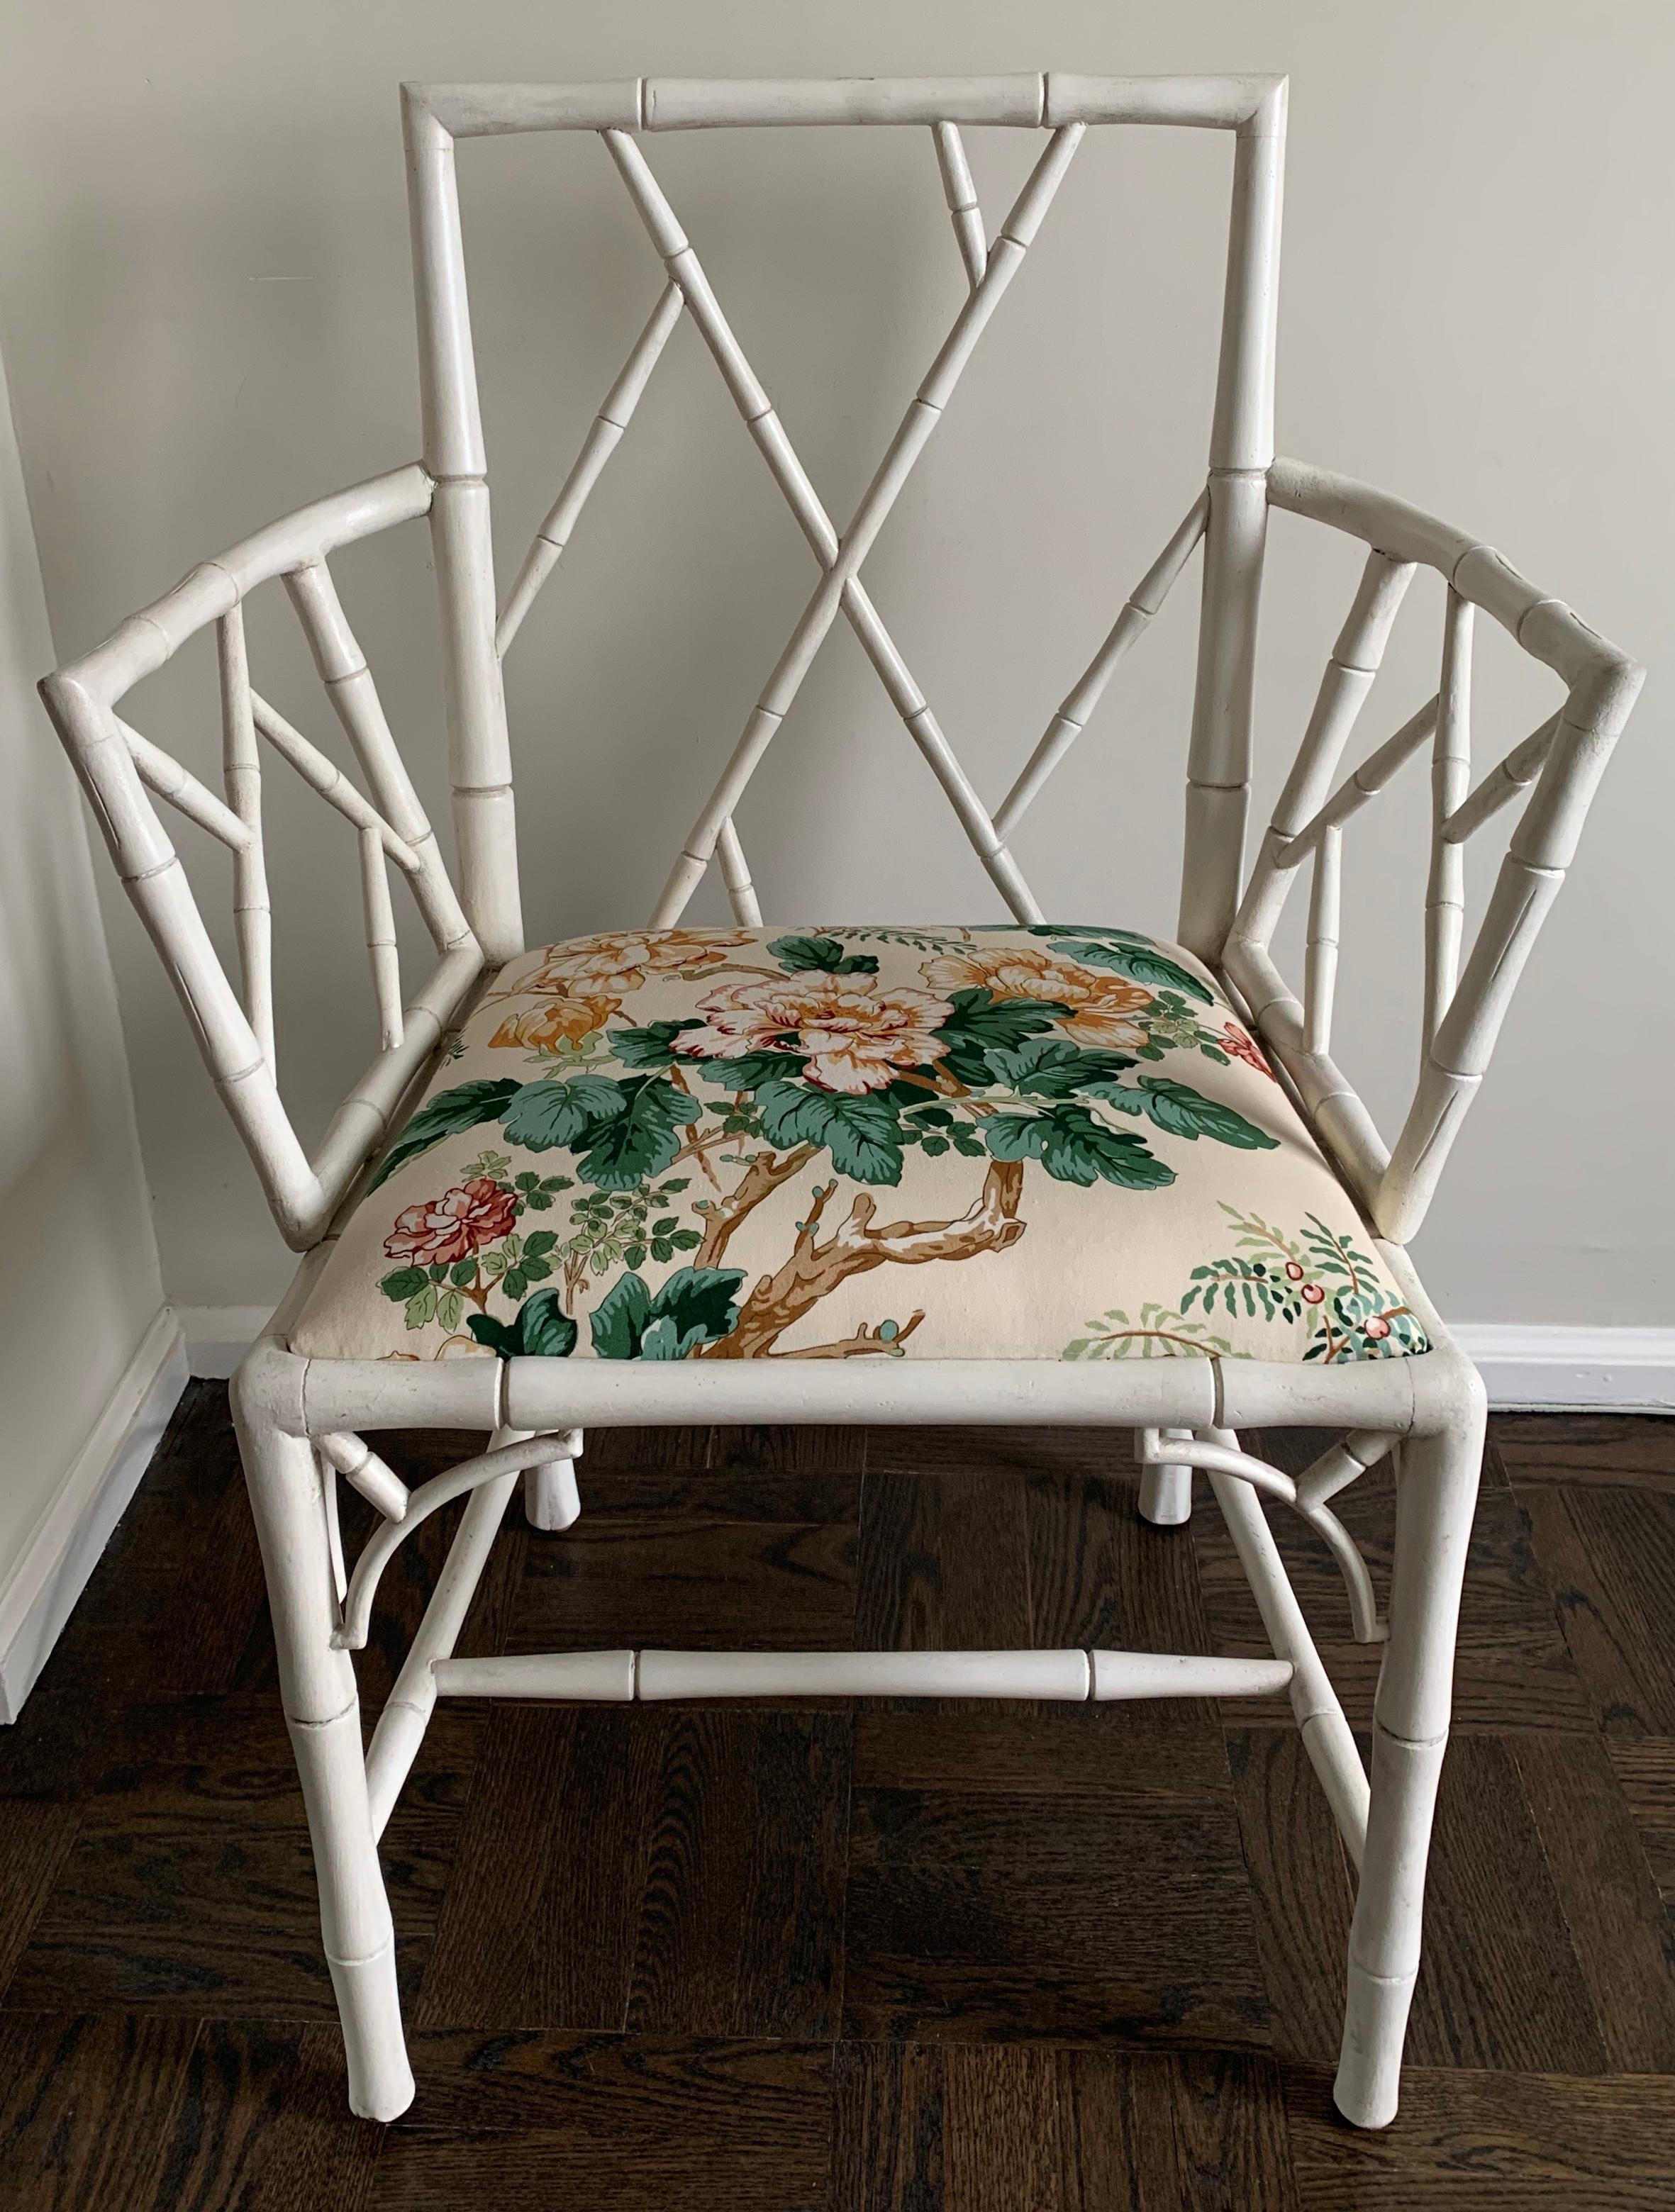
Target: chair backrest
<point x="1230" y="516"/>
<point x="1228" y="920"/>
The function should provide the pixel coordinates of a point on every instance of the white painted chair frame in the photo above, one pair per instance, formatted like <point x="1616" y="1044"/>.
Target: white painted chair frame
<point x="301" y="1422"/>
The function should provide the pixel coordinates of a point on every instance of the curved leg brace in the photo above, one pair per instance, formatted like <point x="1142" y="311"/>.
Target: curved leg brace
<point x="323" y="1713"/>
<point x="1166" y="1492"/>
<point x="1436" y="1491"/>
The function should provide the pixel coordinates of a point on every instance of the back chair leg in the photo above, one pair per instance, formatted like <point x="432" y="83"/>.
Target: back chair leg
<point x="1436" y="1491"/>
<point x="551" y="1499"/>
<point x="323" y="1713"/>
<point x="1166" y="1492"/>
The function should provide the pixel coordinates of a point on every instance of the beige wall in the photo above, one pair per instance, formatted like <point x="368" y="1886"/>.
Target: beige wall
<point x="204" y="287"/>
<point x="80" y="1292"/>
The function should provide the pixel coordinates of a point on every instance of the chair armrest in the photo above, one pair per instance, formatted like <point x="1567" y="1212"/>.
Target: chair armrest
<point x="121" y="772"/>
<point x="1555" y="770"/>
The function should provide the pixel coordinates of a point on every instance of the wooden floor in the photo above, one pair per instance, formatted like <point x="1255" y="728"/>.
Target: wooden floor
<point x="933" y="1959"/>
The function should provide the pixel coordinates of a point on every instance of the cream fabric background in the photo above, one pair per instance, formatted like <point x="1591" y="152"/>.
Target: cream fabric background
<point x="205" y="296"/>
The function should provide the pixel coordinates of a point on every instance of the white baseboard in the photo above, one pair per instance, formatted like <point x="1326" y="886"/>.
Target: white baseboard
<point x="37" y="1596"/>
<point x="1528" y="1367"/>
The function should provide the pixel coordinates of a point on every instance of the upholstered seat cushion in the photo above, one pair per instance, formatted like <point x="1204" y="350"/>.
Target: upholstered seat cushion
<point x="1041" y="1143"/>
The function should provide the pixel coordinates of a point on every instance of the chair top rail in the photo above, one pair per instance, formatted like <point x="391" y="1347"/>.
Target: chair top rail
<point x="145" y="641"/>
<point x="1253" y="105"/>
<point x="1546" y="628"/>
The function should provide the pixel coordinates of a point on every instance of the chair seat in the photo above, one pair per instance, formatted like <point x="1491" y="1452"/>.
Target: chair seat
<point x="1038" y="1142"/>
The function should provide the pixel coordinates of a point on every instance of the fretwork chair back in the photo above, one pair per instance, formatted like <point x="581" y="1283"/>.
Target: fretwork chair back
<point x="1025" y="1085"/>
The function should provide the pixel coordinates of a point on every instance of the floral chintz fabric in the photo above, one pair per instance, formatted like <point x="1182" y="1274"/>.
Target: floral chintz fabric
<point x="1045" y="1142"/>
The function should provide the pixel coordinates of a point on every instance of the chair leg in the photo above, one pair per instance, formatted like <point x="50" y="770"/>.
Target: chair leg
<point x="1436" y="1491"/>
<point x="551" y="1499"/>
<point x="323" y="1714"/>
<point x="1166" y="1492"/>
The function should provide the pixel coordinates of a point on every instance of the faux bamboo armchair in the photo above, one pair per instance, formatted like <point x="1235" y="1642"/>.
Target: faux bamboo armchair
<point x="990" y="1068"/>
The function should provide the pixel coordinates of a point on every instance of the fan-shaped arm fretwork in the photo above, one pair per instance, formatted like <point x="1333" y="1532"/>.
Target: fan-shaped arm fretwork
<point x="1557" y="766"/>
<point x="120" y="769"/>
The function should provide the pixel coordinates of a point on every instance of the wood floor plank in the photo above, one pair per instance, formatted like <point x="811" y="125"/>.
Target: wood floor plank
<point x="1232" y="2150"/>
<point x="526" y="2122"/>
<point x="690" y="1584"/>
<point x="1621" y="1937"/>
<point x="538" y="1924"/>
<point x="1610" y="1553"/>
<point x="943" y="1561"/>
<point x="649" y="1868"/>
<point x="1001" y="2147"/>
<point x="741" y="1927"/>
<point x="887" y="2128"/>
<point x="806" y="1494"/>
<point x="1645" y="1771"/>
<point x="261" y="2126"/>
<point x="780" y="1450"/>
<point x="1499" y="1983"/>
<point x="978" y="1915"/>
<point x="1016" y="2128"/>
<point x="1149" y="1754"/>
<point x="665" y="1450"/>
<point x="183" y="1761"/>
<point x="35" y="1839"/>
<point x="88" y="2108"/>
<point x="1624" y="1450"/>
<point x="211" y="1918"/>
<point x="1016" y="1452"/>
<point x="1301" y="1891"/>
<point x="1099" y="1575"/>
<point x="1116" y="2133"/>
<point x="1468" y="2141"/>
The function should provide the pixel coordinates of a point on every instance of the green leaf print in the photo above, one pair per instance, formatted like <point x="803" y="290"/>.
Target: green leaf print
<point x="1140" y="963"/>
<point x="695" y="1306"/>
<point x="642" y="1139"/>
<point x="1073" y="1147"/>
<point x="824" y="953"/>
<point x="539" y="1329"/>
<point x="445" y="1115"/>
<point x="1184" y="1112"/>
<point x="863" y="1134"/>
<point x="547" y="1114"/>
<point x="980" y="1021"/>
<point x="650" y="1046"/>
<point x="1045" y="1067"/>
<point x="749" y="1071"/>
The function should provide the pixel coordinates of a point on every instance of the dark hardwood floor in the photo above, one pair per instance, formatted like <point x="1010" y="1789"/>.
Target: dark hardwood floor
<point x="867" y="1958"/>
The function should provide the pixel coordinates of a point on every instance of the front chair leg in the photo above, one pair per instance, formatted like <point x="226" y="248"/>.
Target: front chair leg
<point x="1436" y="1491"/>
<point x="323" y="1714"/>
<point x="551" y="1499"/>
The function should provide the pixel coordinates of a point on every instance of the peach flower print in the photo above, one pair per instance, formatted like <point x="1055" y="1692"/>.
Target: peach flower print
<point x="1102" y="1007"/>
<point x="452" y="1227"/>
<point x="566" y="1019"/>
<point x="855" y="1032"/>
<point x="620" y="960"/>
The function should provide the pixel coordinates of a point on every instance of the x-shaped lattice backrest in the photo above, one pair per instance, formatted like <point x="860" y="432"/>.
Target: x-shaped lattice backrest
<point x="1230" y="512"/>
<point x="1552" y="773"/>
